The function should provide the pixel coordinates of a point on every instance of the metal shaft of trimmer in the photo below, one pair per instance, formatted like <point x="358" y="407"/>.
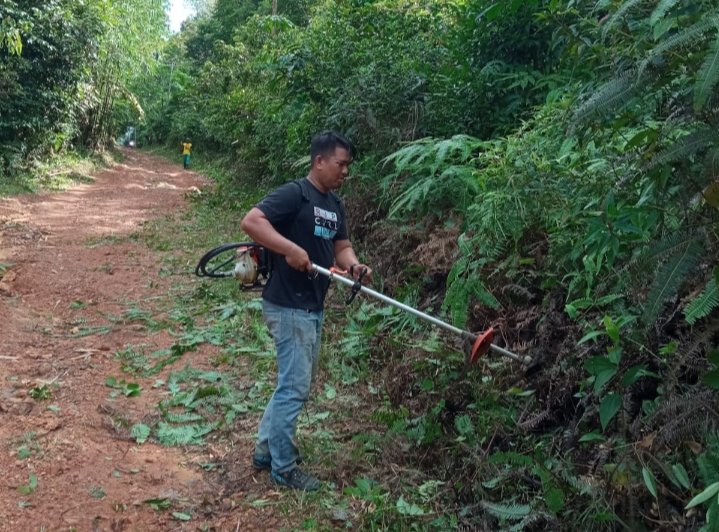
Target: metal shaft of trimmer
<point x="439" y="323"/>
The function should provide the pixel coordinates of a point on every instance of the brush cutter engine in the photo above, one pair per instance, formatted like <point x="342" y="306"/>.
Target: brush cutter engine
<point x="245" y="267"/>
<point x="250" y="264"/>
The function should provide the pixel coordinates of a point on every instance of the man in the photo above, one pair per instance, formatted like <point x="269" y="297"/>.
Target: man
<point x="186" y="150"/>
<point x="302" y="222"/>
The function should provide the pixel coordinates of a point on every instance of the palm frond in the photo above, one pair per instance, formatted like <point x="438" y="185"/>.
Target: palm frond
<point x="687" y="35"/>
<point x="708" y="76"/>
<point x="669" y="278"/>
<point x="662" y="9"/>
<point x="701" y="306"/>
<point x="618" y="15"/>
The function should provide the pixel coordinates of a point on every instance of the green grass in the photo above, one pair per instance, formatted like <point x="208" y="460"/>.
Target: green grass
<point x="55" y="173"/>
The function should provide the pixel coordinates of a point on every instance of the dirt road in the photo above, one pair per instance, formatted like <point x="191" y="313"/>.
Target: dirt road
<point x="60" y="466"/>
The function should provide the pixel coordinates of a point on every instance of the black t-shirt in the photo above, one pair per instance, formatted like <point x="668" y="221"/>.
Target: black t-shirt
<point x="314" y="224"/>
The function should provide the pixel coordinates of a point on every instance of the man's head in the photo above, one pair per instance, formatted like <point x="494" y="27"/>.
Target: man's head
<point x="331" y="155"/>
<point x="187" y="141"/>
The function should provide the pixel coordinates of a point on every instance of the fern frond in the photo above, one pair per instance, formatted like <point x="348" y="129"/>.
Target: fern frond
<point x="688" y="426"/>
<point x="618" y="14"/>
<point x="457" y="300"/>
<point x="684" y="147"/>
<point x="701" y="306"/>
<point x="408" y="200"/>
<point x="708" y="76"/>
<point x="518" y="291"/>
<point x="184" y="434"/>
<point x="708" y="462"/>
<point x="687" y="35"/>
<point x="460" y="180"/>
<point x="661" y="10"/>
<point x="692" y="353"/>
<point x="665" y="247"/>
<point x="582" y="303"/>
<point x="414" y="153"/>
<point x="605" y="300"/>
<point x="511" y="458"/>
<point x="582" y="484"/>
<point x="528" y="521"/>
<point x="669" y="277"/>
<point x="534" y="421"/>
<point x="507" y="511"/>
<point x="611" y="96"/>
<point x="183" y="417"/>
<point x="462" y="143"/>
<point x="210" y="376"/>
<point x="677" y="406"/>
<point x="711" y="162"/>
<point x="459" y="268"/>
<point x="207" y="391"/>
<point x="207" y="403"/>
<point x="483" y="295"/>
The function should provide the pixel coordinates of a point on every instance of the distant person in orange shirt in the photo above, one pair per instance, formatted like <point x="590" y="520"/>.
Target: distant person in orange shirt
<point x="186" y="150"/>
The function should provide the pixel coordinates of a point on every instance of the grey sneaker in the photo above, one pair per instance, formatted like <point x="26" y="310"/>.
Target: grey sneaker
<point x="296" y="479"/>
<point x="262" y="463"/>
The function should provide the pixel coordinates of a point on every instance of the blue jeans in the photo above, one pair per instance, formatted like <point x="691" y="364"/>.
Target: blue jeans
<point x="297" y="336"/>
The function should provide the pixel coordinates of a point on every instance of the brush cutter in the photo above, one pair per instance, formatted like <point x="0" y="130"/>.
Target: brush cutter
<point x="251" y="262"/>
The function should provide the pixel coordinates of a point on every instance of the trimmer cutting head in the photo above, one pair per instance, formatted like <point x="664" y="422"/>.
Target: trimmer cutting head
<point x="481" y="345"/>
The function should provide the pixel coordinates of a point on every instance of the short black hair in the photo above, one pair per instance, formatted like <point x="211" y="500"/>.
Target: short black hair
<point x="326" y="142"/>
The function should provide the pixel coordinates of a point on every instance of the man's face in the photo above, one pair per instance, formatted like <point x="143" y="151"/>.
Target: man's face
<point x="334" y="169"/>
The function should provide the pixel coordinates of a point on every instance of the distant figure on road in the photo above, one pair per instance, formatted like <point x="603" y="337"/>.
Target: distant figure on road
<point x="186" y="150"/>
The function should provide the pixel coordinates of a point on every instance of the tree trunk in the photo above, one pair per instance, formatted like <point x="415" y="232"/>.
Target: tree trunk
<point x="93" y="118"/>
<point x="274" y="14"/>
<point x="108" y="120"/>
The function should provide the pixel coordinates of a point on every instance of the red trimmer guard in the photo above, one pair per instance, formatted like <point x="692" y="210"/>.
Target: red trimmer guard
<point x="481" y="345"/>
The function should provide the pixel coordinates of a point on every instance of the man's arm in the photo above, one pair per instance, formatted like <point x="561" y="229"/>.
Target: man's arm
<point x="345" y="258"/>
<point x="259" y="229"/>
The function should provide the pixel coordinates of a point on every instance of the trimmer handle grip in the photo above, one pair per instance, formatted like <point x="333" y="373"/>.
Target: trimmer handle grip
<point x="356" y="287"/>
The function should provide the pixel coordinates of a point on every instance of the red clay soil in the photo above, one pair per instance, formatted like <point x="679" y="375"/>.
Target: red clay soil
<point x="88" y="480"/>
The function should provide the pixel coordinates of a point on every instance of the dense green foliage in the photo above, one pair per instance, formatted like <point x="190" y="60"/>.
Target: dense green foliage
<point x="382" y="73"/>
<point x="64" y="65"/>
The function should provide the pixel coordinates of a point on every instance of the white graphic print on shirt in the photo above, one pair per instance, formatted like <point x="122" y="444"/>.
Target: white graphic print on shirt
<point x="326" y="223"/>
